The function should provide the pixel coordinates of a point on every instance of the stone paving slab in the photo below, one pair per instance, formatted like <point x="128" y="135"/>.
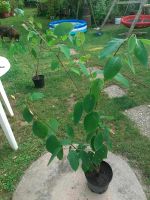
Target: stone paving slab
<point x="114" y="91"/>
<point x="141" y="116"/>
<point x="59" y="182"/>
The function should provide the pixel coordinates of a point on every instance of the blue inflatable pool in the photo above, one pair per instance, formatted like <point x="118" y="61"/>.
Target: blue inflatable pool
<point x="79" y="25"/>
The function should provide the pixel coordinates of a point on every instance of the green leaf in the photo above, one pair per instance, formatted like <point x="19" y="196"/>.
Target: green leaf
<point x="39" y="25"/>
<point x="141" y="53"/>
<point x="54" y="124"/>
<point x="75" y="70"/>
<point x="89" y="103"/>
<point x="39" y="129"/>
<point x="60" y="154"/>
<point x="121" y="79"/>
<point x="100" y="155"/>
<point x="69" y="131"/>
<point x="96" y="87"/>
<point x="131" y="43"/>
<point x="73" y="159"/>
<point x="91" y="122"/>
<point x="27" y="115"/>
<point x="52" y="144"/>
<point x="107" y="139"/>
<point x="92" y="142"/>
<point x="54" y="65"/>
<point x="86" y="163"/>
<point x="63" y="29"/>
<point x="31" y="35"/>
<point x="112" y="67"/>
<point x="35" y="96"/>
<point x="111" y="47"/>
<point x="130" y="64"/>
<point x="65" y="50"/>
<point x="80" y="39"/>
<point x="145" y="41"/>
<point x="54" y="155"/>
<point x="33" y="52"/>
<point x="78" y="110"/>
<point x="25" y="27"/>
<point x="83" y="69"/>
<point x="98" y="142"/>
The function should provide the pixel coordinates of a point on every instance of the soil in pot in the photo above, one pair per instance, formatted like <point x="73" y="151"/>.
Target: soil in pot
<point x="98" y="182"/>
<point x="38" y="81"/>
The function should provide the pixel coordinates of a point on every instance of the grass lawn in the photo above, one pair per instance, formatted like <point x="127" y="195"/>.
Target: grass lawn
<point x="127" y="141"/>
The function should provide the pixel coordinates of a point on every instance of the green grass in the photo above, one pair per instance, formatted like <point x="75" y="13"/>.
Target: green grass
<point x="127" y="141"/>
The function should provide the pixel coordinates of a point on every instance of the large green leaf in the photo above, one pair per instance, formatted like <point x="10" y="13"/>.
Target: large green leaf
<point x="78" y="110"/>
<point x="73" y="158"/>
<point x="89" y="103"/>
<point x="80" y="39"/>
<point x="112" y="46"/>
<point x="100" y="155"/>
<point x="63" y="29"/>
<point x="60" y="154"/>
<point x="65" y="50"/>
<point x="54" y="124"/>
<point x="91" y="122"/>
<point x="112" y="67"/>
<point x="27" y="115"/>
<point x="98" y="141"/>
<point x="52" y="144"/>
<point x="39" y="129"/>
<point x="129" y="62"/>
<point x="96" y="87"/>
<point x="141" y="53"/>
<point x="86" y="163"/>
<point x="107" y="139"/>
<point x="131" y="43"/>
<point x="145" y="41"/>
<point x="75" y="70"/>
<point x="54" y="155"/>
<point x="83" y="69"/>
<point x="121" y="79"/>
<point x="34" y="53"/>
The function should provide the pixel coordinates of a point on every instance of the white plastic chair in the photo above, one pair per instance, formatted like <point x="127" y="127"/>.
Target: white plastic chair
<point x="4" y="67"/>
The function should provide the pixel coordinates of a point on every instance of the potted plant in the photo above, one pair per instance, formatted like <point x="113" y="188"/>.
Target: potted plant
<point x="38" y="79"/>
<point x="95" y="142"/>
<point x="5" y="9"/>
<point x="36" y="52"/>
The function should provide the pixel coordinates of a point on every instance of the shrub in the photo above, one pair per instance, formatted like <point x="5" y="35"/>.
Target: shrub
<point x="4" y="7"/>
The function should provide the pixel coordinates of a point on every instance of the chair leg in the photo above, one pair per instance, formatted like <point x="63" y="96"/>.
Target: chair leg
<point x="5" y="100"/>
<point x="7" y="129"/>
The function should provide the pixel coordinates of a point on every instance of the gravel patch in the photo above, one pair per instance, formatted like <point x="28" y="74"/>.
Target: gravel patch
<point x="114" y="91"/>
<point x="141" y="116"/>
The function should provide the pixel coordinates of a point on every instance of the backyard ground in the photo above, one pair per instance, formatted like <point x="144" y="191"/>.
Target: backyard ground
<point x="127" y="141"/>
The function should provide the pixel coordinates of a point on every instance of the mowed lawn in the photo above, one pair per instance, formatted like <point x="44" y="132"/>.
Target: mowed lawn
<point x="127" y="141"/>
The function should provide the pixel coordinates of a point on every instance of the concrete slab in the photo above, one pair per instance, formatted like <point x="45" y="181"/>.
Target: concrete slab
<point x="59" y="182"/>
<point x="141" y="116"/>
<point x="114" y="91"/>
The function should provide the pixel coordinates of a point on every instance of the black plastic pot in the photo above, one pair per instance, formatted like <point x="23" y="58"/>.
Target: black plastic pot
<point x="98" y="182"/>
<point x="38" y="81"/>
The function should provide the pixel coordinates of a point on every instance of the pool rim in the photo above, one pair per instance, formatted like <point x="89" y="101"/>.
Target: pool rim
<point x="82" y="24"/>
